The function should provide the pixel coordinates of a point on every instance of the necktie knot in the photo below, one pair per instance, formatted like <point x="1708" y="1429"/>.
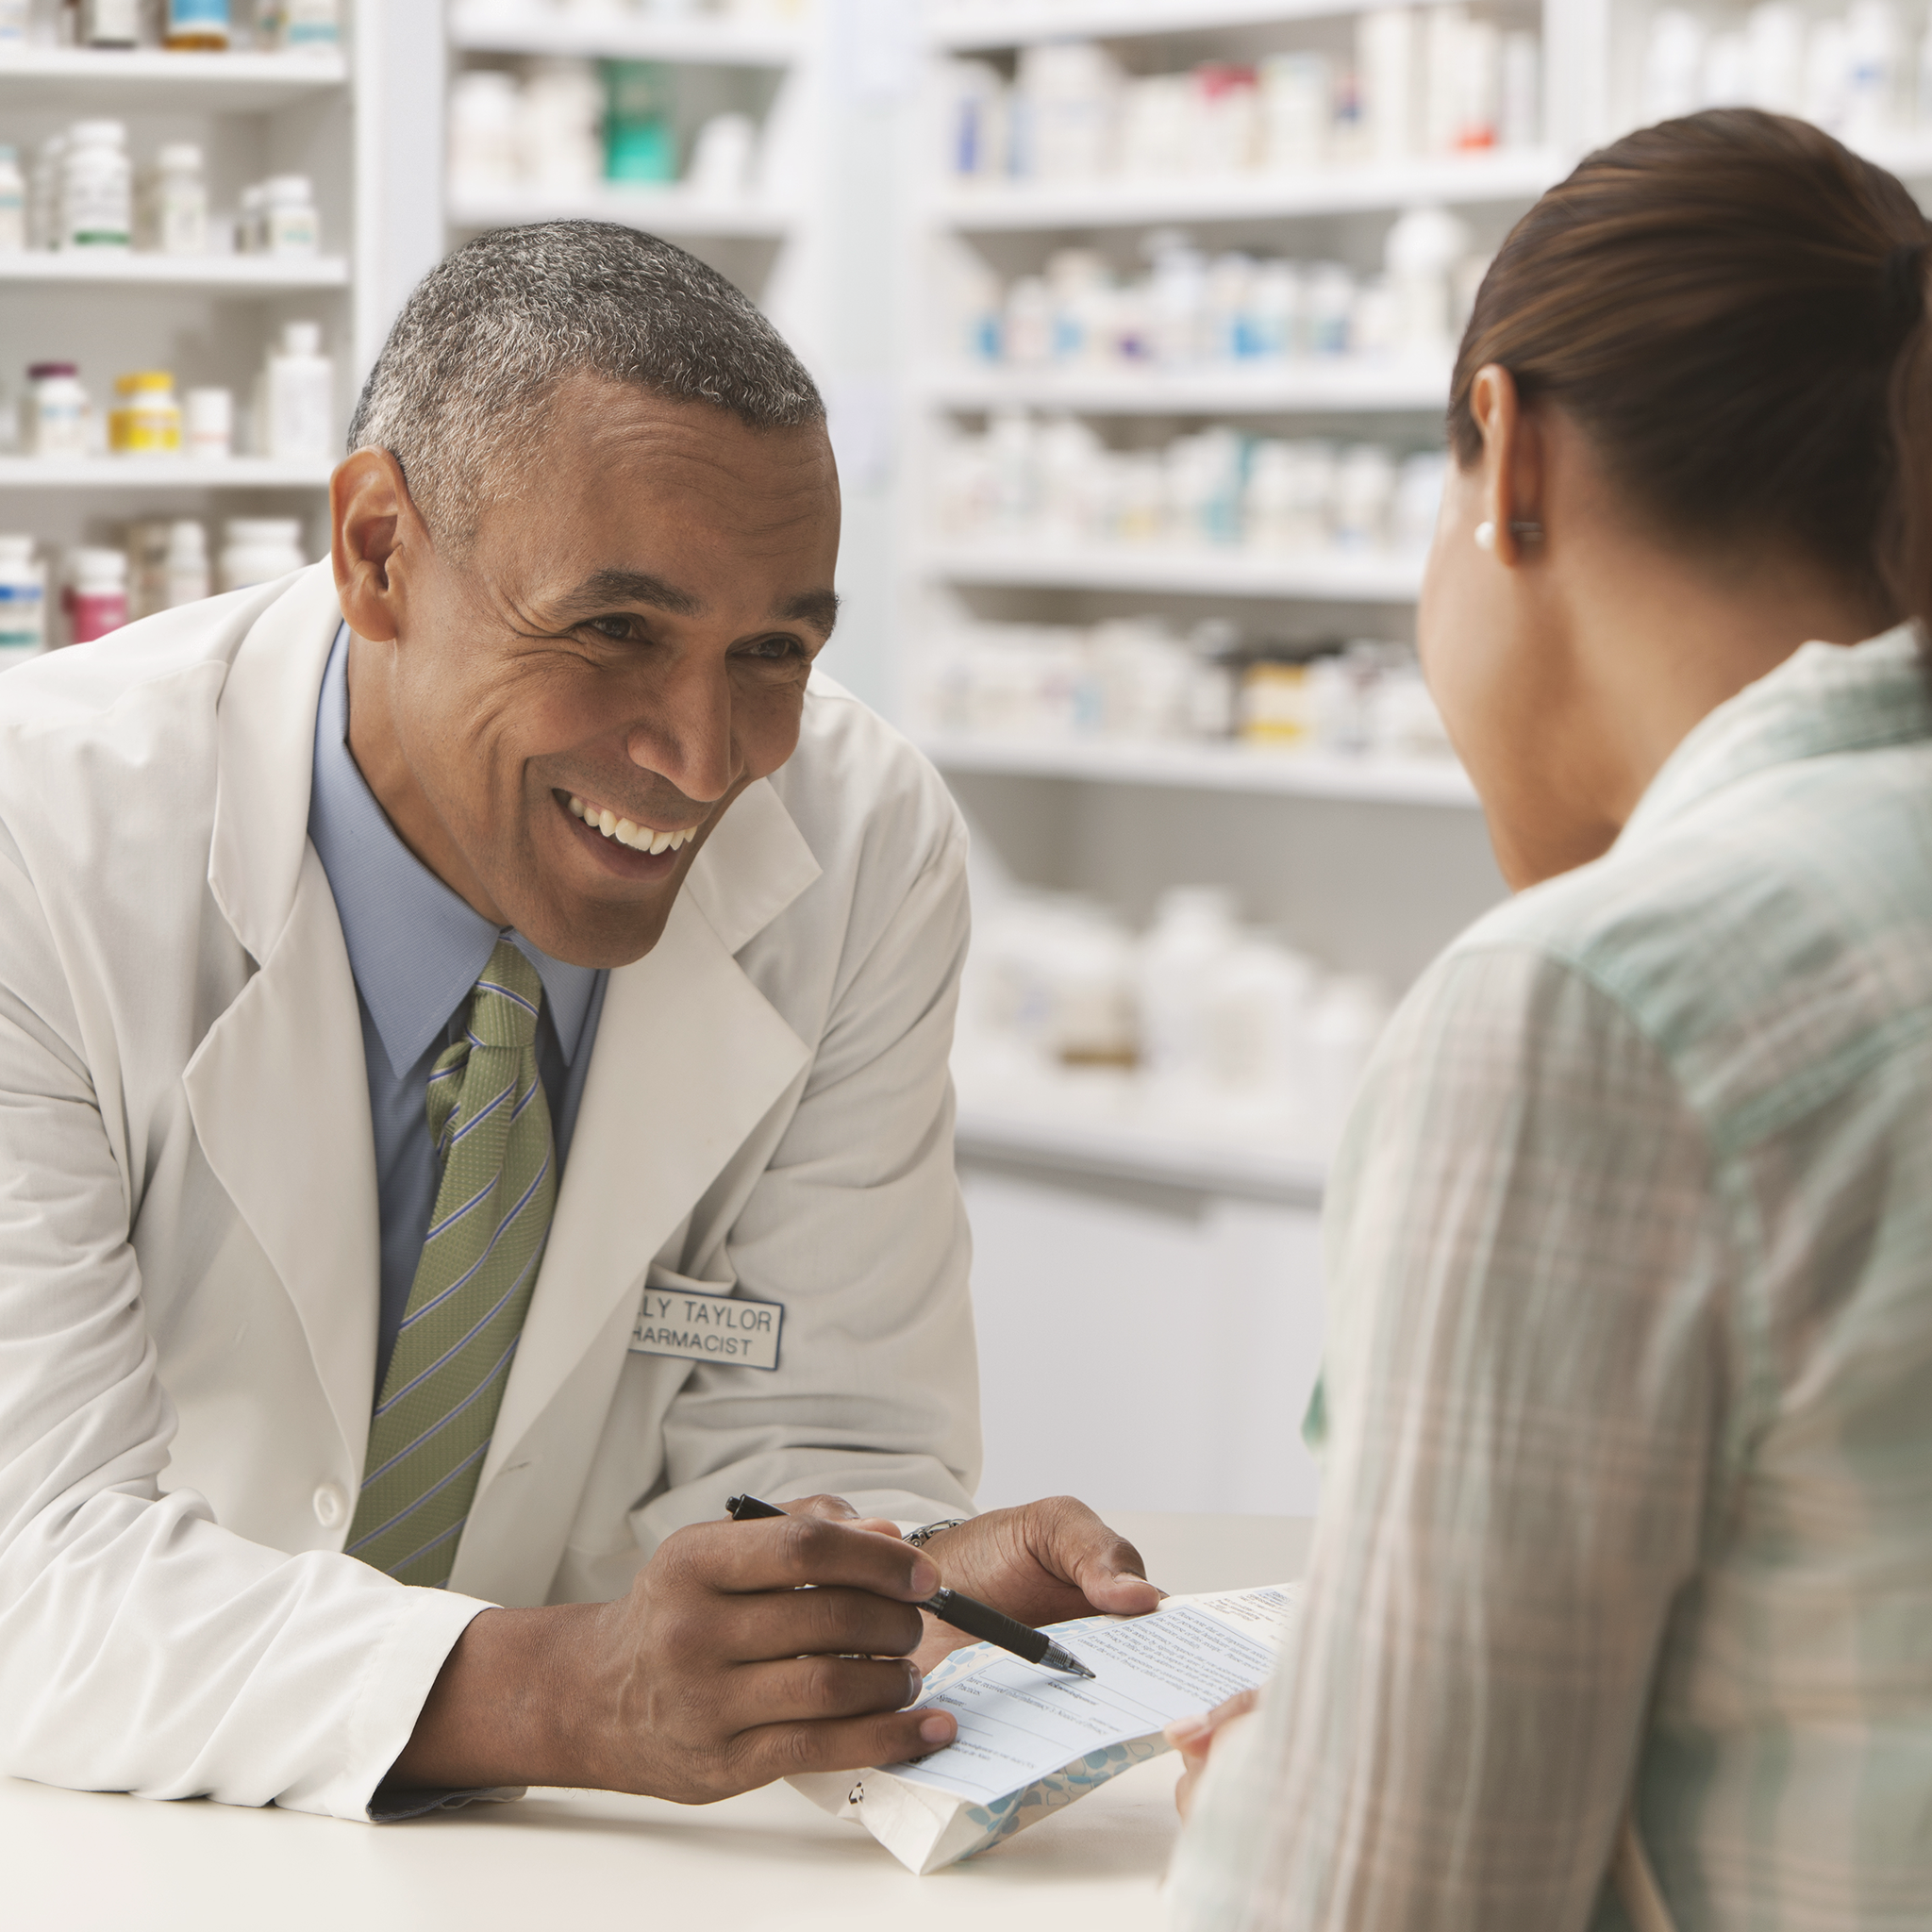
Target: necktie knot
<point x="502" y="1019"/>
<point x="509" y="997"/>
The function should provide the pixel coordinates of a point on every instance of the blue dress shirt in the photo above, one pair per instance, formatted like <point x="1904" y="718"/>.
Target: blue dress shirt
<point x="417" y="950"/>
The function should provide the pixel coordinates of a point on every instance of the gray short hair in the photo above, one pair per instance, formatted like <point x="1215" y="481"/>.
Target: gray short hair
<point x="490" y="333"/>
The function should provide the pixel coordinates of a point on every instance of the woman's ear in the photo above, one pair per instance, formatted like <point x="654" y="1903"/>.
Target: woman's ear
<point x="1511" y="464"/>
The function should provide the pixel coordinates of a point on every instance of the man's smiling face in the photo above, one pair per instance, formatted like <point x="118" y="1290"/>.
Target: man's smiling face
<point x="625" y="641"/>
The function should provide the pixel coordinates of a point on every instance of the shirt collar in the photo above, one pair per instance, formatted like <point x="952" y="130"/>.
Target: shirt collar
<point x="416" y="949"/>
<point x="1822" y="699"/>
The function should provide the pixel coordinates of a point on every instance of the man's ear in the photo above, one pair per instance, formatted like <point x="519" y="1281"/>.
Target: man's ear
<point x="378" y="536"/>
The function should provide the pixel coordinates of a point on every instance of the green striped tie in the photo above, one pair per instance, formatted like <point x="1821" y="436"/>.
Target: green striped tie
<point x="437" y="1411"/>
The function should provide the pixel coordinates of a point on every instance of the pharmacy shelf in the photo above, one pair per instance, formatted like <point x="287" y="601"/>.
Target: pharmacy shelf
<point x="1251" y="389"/>
<point x="160" y="472"/>
<point x="1505" y="175"/>
<point x="78" y="77"/>
<point x="1341" y="578"/>
<point x="672" y="212"/>
<point x="264" y="273"/>
<point x="970" y="28"/>
<point x="494" y="28"/>
<point x="1207" y="768"/>
<point x="1041" y="1136"/>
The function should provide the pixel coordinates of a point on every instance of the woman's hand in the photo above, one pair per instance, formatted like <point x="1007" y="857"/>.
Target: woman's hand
<point x="1194" y="1737"/>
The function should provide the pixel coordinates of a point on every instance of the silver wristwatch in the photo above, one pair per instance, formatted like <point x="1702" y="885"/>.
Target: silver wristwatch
<point x="927" y="1531"/>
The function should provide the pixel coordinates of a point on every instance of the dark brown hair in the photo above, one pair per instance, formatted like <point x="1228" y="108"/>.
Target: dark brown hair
<point x="1729" y="307"/>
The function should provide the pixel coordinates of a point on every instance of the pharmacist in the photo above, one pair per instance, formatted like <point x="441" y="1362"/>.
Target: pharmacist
<point x="474" y="1021"/>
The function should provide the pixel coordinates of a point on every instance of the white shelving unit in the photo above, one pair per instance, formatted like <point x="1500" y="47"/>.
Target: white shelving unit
<point x="1368" y="863"/>
<point x="258" y="273"/>
<point x="1322" y="576"/>
<point x="1137" y="1152"/>
<point x="494" y="27"/>
<point x="673" y="212"/>
<point x="1206" y="768"/>
<point x="973" y="29"/>
<point x="147" y="80"/>
<point x="1344" y="386"/>
<point x="171" y="474"/>
<point x="208" y="319"/>
<point x="1464" y="181"/>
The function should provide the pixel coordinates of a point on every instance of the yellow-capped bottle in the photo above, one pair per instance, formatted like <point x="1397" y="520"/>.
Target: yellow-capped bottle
<point x="145" y="420"/>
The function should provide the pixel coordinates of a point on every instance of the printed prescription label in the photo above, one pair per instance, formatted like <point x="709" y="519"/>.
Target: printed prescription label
<point x="723" y="1328"/>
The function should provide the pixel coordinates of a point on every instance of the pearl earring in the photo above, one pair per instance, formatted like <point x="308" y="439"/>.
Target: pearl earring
<point x="1524" y="533"/>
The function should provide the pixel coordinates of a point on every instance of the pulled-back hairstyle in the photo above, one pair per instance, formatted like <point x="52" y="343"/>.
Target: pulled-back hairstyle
<point x="1729" y="307"/>
<point x="489" y="334"/>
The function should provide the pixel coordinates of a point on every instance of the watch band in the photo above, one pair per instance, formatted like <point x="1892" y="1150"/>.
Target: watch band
<point x="927" y="1531"/>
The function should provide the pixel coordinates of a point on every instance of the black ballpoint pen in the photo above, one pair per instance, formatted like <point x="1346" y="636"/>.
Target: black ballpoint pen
<point x="962" y="1613"/>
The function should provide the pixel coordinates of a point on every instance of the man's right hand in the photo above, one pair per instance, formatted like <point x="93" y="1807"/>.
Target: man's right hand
<point x="718" y="1671"/>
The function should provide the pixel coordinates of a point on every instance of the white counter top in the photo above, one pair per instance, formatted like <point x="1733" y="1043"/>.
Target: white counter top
<point x="767" y="1862"/>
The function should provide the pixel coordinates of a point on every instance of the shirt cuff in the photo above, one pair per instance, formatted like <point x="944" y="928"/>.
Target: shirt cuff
<point x="392" y="1805"/>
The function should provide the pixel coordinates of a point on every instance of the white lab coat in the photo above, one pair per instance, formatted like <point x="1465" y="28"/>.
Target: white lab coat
<point x="188" y="1217"/>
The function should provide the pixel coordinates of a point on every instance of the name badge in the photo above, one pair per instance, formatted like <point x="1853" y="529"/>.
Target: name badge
<point x="700" y="1327"/>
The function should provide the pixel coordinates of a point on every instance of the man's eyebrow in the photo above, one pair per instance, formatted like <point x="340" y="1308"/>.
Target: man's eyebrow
<point x="604" y="588"/>
<point x="819" y="608"/>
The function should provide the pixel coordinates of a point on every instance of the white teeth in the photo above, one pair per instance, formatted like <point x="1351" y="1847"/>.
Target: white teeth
<point x="627" y="831"/>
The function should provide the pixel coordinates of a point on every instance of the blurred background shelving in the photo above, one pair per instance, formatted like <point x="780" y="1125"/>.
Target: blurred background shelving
<point x="1135" y="321"/>
<point x="699" y="125"/>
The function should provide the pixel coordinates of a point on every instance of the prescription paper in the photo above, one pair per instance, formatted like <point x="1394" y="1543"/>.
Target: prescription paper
<point x="1032" y="1741"/>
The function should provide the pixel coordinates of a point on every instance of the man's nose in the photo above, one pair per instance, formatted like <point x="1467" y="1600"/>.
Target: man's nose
<point x="682" y="731"/>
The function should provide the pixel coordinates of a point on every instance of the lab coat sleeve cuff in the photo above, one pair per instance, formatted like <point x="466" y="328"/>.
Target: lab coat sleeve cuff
<point x="401" y="1671"/>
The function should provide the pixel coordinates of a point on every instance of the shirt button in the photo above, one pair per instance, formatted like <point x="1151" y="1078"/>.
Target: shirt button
<point x="331" y="1506"/>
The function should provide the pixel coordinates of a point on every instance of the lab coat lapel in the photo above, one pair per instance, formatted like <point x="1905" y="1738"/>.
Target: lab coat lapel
<point x="690" y="1057"/>
<point x="278" y="1089"/>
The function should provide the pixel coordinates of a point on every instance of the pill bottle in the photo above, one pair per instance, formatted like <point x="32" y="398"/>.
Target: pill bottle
<point x="195" y="27"/>
<point x="12" y="199"/>
<point x="96" y="593"/>
<point x="43" y="193"/>
<point x="209" y="422"/>
<point x="110" y="22"/>
<point x="185" y="569"/>
<point x="485" y="117"/>
<point x="248" y="220"/>
<point x="57" y="410"/>
<point x="258" y="550"/>
<point x="639" y="138"/>
<point x="96" y="187"/>
<point x="146" y="420"/>
<point x="289" y="224"/>
<point x="300" y="26"/>
<point x="296" y="419"/>
<point x="23" y="599"/>
<point x="148" y="568"/>
<point x="174" y="204"/>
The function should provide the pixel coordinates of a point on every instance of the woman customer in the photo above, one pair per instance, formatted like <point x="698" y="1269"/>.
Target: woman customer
<point x="1620" y="1608"/>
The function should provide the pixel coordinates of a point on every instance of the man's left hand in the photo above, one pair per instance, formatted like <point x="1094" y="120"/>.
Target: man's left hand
<point x="1042" y="1563"/>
